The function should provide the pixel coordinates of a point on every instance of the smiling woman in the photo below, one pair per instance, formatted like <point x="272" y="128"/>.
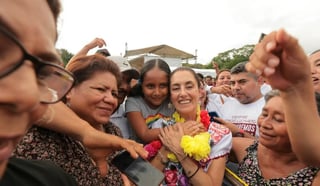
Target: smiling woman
<point x="24" y="85"/>
<point x="194" y="151"/>
<point x="272" y="148"/>
<point x="93" y="98"/>
<point x="97" y="80"/>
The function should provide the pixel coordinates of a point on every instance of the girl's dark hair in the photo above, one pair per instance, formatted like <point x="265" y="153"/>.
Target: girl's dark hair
<point x="149" y="65"/>
<point x="83" y="68"/>
<point x="196" y="77"/>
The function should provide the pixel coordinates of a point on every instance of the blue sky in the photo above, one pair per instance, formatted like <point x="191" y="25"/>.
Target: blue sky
<point x="208" y="26"/>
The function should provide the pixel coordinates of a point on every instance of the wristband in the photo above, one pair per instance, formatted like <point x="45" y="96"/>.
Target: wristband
<point x="183" y="158"/>
<point x="195" y="172"/>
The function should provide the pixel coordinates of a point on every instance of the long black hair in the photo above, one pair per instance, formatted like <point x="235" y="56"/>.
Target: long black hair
<point x="149" y="65"/>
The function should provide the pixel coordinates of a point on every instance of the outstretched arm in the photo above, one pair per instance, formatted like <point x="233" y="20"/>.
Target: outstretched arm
<point x="215" y="66"/>
<point x="282" y="61"/>
<point x="62" y="119"/>
<point x="97" y="42"/>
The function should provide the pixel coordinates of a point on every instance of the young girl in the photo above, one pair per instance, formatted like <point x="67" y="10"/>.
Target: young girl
<point x="148" y="101"/>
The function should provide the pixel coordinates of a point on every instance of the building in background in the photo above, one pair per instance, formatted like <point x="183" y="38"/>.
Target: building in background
<point x="174" y="57"/>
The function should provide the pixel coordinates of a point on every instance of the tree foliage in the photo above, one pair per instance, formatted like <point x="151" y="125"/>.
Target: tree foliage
<point x="227" y="59"/>
<point x="65" y="55"/>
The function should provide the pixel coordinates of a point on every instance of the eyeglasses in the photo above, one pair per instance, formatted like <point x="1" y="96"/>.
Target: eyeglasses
<point x="54" y="81"/>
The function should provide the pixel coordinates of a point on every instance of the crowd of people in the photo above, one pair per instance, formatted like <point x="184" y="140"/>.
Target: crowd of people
<point x="63" y="125"/>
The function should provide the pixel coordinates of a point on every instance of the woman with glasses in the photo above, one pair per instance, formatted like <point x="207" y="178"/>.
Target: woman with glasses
<point x="25" y="81"/>
<point x="93" y="98"/>
<point x="30" y="78"/>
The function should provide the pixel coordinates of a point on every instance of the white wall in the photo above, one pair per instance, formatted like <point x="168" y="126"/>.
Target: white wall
<point x="172" y="62"/>
<point x="204" y="72"/>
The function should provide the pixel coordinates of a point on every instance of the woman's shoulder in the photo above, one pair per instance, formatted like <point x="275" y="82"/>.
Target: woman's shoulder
<point x="111" y="128"/>
<point x="133" y="102"/>
<point x="134" y="99"/>
<point x="46" y="136"/>
<point x="64" y="151"/>
<point x="40" y="143"/>
<point x="39" y="139"/>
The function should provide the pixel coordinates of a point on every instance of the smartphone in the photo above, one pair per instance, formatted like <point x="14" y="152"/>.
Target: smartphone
<point x="212" y="115"/>
<point x="139" y="171"/>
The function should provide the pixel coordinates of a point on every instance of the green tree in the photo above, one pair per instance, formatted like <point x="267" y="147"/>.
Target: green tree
<point x="227" y="59"/>
<point x="65" y="55"/>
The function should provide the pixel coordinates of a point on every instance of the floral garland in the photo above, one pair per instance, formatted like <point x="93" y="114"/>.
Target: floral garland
<point x="202" y="116"/>
<point x="153" y="148"/>
<point x="196" y="147"/>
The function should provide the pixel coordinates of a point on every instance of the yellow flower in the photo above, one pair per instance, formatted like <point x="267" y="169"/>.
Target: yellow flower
<point x="172" y="157"/>
<point x="177" y="118"/>
<point x="197" y="147"/>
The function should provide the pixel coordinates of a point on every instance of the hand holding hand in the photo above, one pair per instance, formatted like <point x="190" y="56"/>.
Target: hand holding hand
<point x="281" y="60"/>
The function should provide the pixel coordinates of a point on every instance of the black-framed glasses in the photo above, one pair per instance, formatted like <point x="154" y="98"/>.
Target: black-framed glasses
<point x="54" y="81"/>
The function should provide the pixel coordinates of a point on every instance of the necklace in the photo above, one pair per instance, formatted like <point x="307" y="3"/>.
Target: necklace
<point x="196" y="147"/>
<point x="202" y="116"/>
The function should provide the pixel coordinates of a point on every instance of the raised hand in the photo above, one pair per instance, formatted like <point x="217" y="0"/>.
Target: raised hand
<point x="276" y="57"/>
